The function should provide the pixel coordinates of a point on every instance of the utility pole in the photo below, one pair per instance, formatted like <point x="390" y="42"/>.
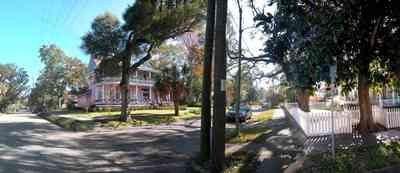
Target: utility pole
<point x="219" y="104"/>
<point x="239" y="72"/>
<point x="205" y="144"/>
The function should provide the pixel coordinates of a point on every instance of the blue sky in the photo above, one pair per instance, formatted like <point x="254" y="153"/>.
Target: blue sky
<point x="25" y="25"/>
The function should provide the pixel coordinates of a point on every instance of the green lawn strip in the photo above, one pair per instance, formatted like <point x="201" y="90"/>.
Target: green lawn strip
<point x="249" y="134"/>
<point x="76" y="119"/>
<point x="263" y="116"/>
<point x="355" y="159"/>
<point x="144" y="117"/>
<point x="69" y="123"/>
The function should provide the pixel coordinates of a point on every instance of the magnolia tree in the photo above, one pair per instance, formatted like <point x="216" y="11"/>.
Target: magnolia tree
<point x="358" y="36"/>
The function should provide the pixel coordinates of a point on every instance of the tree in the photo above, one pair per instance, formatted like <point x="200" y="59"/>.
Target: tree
<point x="239" y="72"/>
<point x="173" y="71"/>
<point x="13" y="84"/>
<point x="194" y="59"/>
<point x="77" y="74"/>
<point x="219" y="104"/>
<point x="60" y="73"/>
<point x="356" y="35"/>
<point x="205" y="147"/>
<point x="291" y="48"/>
<point x="147" y="25"/>
<point x="365" y="34"/>
<point x="360" y="35"/>
<point x="171" y="79"/>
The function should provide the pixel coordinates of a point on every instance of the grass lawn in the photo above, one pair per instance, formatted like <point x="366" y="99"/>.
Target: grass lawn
<point x="263" y="116"/>
<point x="139" y="117"/>
<point x="70" y="123"/>
<point x="251" y="132"/>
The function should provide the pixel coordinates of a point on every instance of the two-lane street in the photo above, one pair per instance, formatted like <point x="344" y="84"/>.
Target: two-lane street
<point x="31" y="144"/>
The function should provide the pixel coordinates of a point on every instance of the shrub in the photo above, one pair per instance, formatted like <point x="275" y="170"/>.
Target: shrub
<point x="355" y="159"/>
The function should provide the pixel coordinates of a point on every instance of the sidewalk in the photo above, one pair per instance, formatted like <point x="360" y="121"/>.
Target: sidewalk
<point x="278" y="149"/>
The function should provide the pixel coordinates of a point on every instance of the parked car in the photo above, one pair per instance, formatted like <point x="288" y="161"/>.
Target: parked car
<point x="244" y="113"/>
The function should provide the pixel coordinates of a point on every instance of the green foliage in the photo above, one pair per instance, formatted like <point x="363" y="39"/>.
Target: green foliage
<point x="60" y="72"/>
<point x="156" y="21"/>
<point x="104" y="38"/>
<point x="13" y="84"/>
<point x="290" y="46"/>
<point x="174" y="57"/>
<point x="171" y="79"/>
<point x="355" y="159"/>
<point x="249" y="92"/>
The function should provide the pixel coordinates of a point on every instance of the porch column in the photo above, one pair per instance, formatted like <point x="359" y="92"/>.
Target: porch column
<point x="112" y="94"/>
<point x="393" y="97"/>
<point x="136" y="93"/>
<point x="149" y="75"/>
<point x="150" y="93"/>
<point x="102" y="93"/>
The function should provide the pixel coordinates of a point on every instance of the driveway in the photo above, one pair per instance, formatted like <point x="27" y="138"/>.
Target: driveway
<point x="29" y="144"/>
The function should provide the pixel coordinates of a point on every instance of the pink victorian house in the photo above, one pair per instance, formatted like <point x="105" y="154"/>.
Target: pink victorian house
<point x="105" y="92"/>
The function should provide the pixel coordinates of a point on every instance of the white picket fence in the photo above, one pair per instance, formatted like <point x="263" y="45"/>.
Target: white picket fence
<point x="320" y="123"/>
<point x="392" y="118"/>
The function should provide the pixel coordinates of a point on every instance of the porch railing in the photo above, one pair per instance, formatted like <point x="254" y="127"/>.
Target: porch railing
<point x="131" y="80"/>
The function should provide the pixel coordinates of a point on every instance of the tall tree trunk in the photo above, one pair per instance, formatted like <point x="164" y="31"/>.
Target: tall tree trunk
<point x="126" y="63"/>
<point x="219" y="104"/>
<point x="303" y="99"/>
<point x="366" y="124"/>
<point x="239" y="72"/>
<point x="175" y="100"/>
<point x="206" y="92"/>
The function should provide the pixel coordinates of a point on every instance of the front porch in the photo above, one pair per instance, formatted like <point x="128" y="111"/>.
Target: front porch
<point x="109" y="95"/>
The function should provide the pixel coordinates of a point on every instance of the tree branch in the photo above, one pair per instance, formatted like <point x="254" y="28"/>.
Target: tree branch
<point x="144" y="59"/>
